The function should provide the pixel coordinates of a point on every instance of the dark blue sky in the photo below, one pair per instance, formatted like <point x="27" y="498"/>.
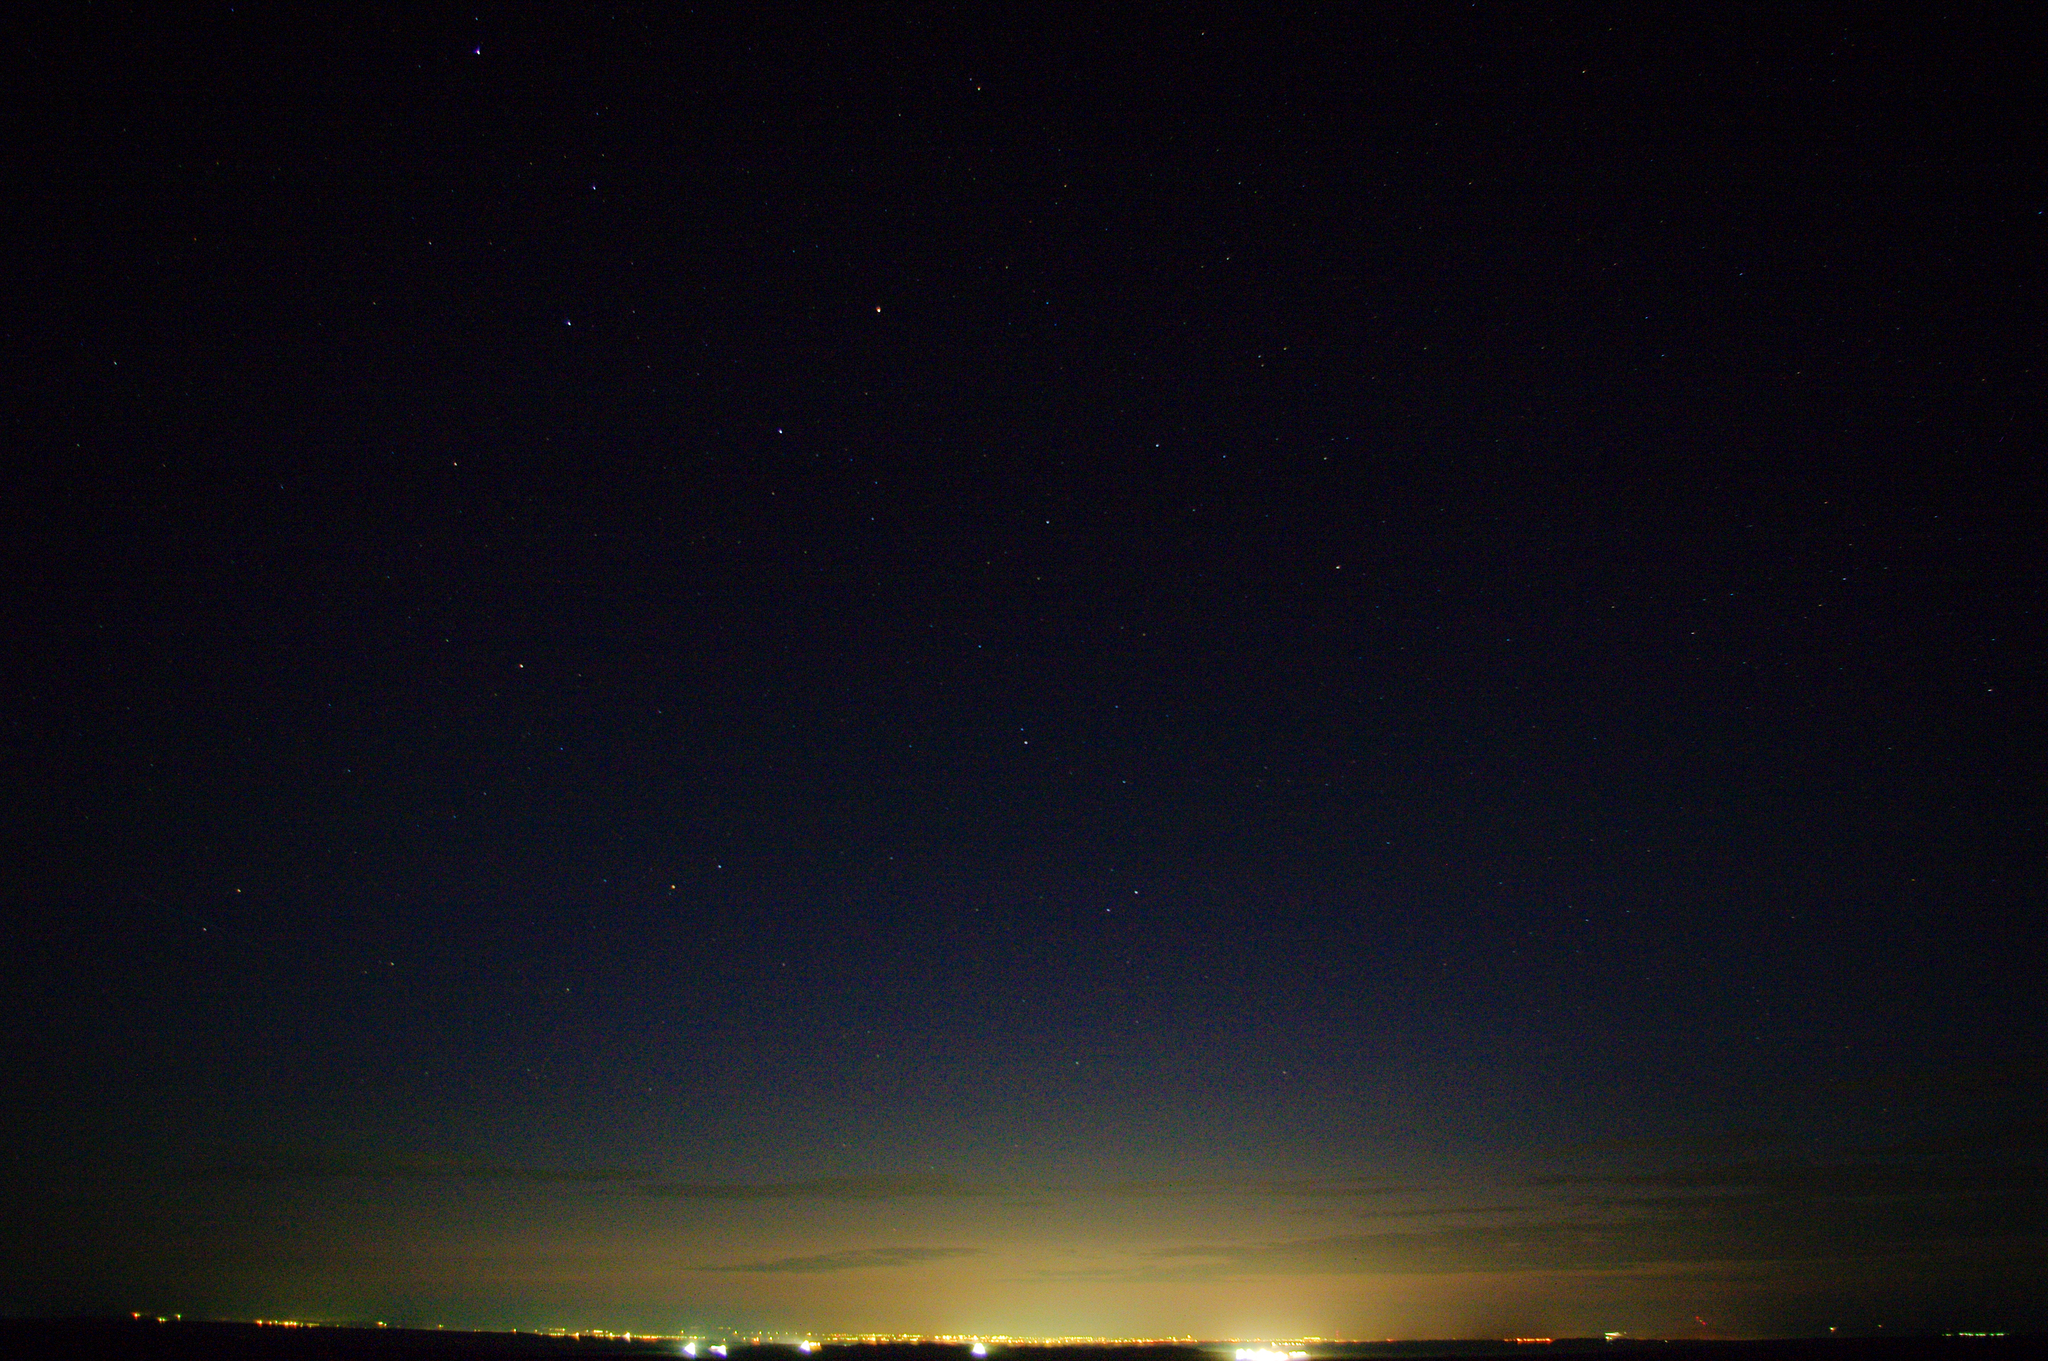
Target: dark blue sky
<point x="1372" y="677"/>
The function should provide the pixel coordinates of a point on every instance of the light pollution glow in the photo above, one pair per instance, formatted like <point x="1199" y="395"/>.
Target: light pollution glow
<point x="927" y="1258"/>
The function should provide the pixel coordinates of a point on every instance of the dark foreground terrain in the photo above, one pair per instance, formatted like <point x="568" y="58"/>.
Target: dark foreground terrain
<point x="33" y="1339"/>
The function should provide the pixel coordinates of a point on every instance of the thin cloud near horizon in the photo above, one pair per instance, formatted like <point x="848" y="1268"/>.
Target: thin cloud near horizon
<point x="858" y="1259"/>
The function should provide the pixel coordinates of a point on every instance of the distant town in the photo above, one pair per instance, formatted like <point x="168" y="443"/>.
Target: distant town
<point x="710" y="1344"/>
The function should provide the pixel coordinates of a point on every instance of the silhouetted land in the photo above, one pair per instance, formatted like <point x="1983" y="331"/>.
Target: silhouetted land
<point x="87" y="1340"/>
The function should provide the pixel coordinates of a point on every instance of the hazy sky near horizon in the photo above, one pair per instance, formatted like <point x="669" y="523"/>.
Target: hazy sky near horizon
<point x="1606" y="1235"/>
<point x="1378" y="676"/>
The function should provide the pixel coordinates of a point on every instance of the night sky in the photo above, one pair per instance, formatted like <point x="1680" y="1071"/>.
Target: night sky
<point x="1373" y="676"/>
